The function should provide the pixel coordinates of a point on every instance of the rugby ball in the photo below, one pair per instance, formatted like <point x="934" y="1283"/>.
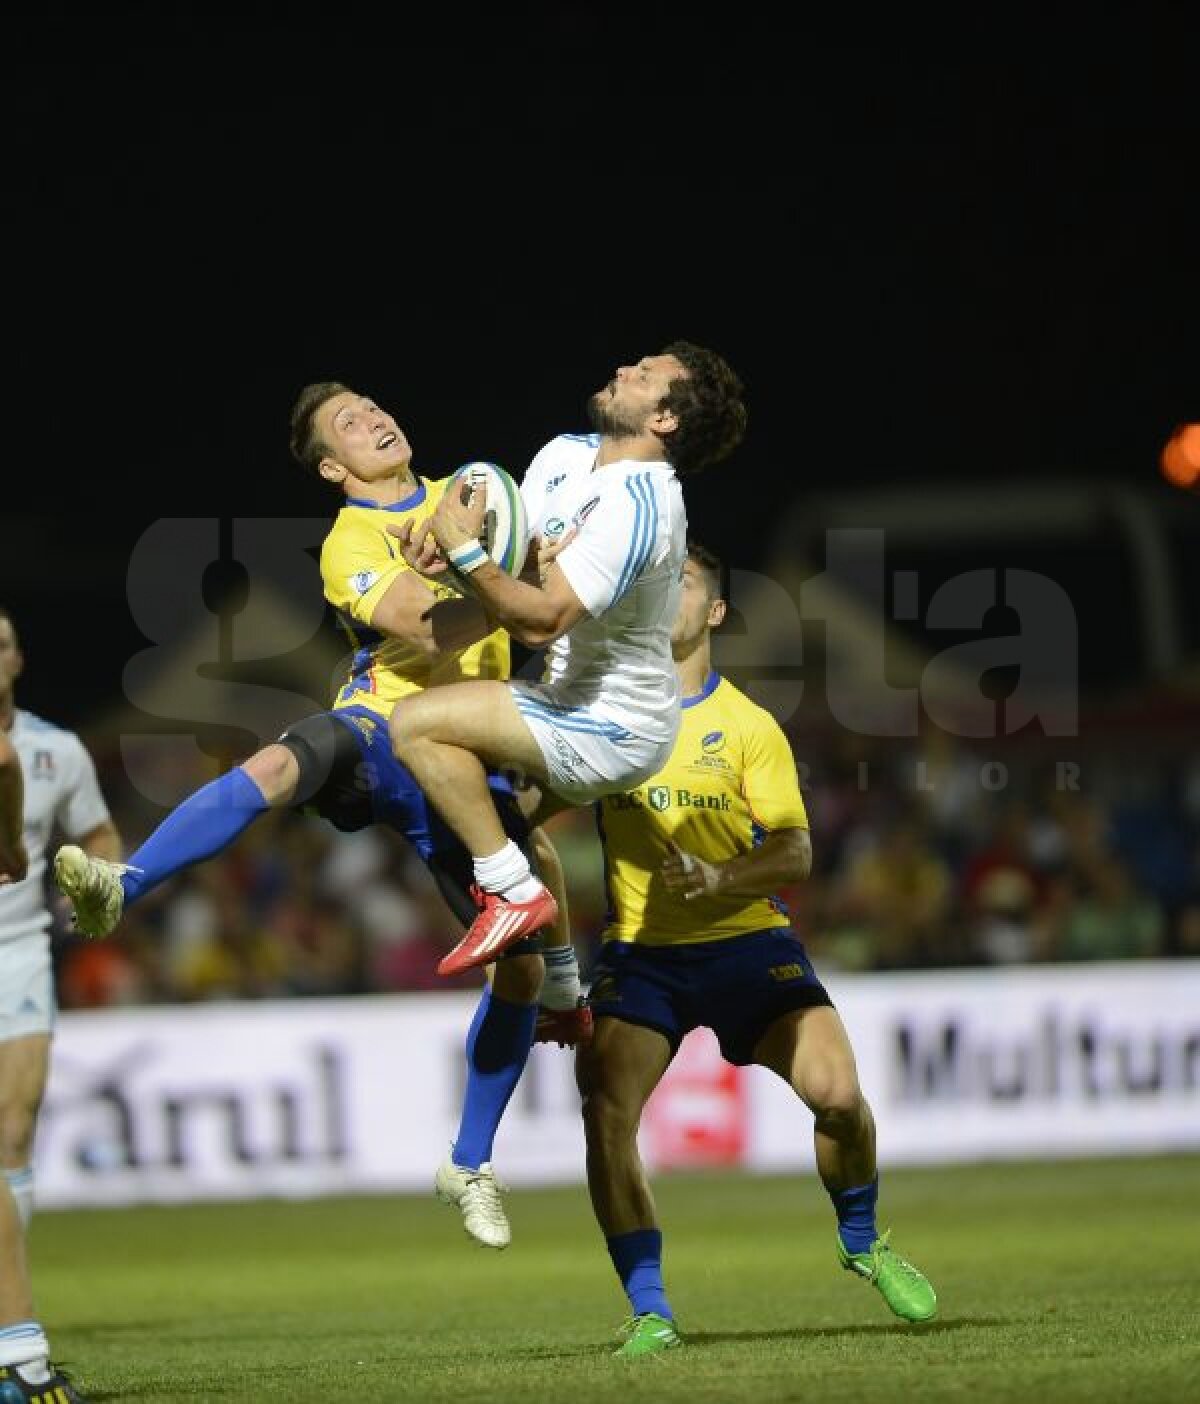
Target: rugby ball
<point x="505" y="535"/>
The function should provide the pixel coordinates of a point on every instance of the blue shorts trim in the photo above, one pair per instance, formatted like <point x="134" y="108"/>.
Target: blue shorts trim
<point x="737" y="987"/>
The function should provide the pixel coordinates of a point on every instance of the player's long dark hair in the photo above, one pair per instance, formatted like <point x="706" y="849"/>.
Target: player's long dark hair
<point x="708" y="404"/>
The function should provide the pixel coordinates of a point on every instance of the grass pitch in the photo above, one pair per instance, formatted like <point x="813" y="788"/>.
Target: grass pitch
<point x="1074" y="1281"/>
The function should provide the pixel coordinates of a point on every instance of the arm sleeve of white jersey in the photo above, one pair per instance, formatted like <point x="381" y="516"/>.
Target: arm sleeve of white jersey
<point x="616" y="540"/>
<point x="82" y="807"/>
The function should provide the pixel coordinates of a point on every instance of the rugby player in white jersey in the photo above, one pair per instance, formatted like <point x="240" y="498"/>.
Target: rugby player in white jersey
<point x="607" y="713"/>
<point x="48" y="782"/>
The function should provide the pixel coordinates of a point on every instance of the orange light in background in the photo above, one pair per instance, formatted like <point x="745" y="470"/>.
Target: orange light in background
<point x="1180" y="460"/>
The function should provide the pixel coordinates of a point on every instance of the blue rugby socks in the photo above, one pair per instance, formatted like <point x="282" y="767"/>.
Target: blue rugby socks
<point x="855" y="1209"/>
<point x="201" y="826"/>
<point x="637" y="1257"/>
<point x="498" y="1044"/>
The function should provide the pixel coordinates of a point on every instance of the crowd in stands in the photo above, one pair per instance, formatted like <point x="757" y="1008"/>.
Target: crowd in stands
<point x="922" y="859"/>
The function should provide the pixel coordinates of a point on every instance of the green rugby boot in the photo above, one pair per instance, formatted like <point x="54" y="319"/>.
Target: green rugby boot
<point x="906" y="1290"/>
<point x="93" y="887"/>
<point x="648" y="1334"/>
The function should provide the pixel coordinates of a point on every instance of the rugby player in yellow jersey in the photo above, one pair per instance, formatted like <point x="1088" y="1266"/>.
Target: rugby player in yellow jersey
<point x="691" y="858"/>
<point x="408" y="634"/>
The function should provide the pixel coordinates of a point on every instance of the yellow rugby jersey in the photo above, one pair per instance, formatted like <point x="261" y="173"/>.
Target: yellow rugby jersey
<point x="359" y="562"/>
<point x="731" y="779"/>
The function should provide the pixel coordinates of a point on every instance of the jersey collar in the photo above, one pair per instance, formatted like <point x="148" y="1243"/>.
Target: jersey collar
<point x="710" y="686"/>
<point x="412" y="500"/>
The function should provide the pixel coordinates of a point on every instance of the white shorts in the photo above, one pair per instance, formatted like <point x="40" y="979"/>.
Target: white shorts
<point x="27" y="1004"/>
<point x="586" y="755"/>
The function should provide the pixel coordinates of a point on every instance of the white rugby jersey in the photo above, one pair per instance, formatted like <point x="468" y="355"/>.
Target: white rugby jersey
<point x="61" y="791"/>
<point x="626" y="566"/>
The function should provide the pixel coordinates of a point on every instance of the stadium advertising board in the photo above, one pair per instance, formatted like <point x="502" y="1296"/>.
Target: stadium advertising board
<point x="314" y="1097"/>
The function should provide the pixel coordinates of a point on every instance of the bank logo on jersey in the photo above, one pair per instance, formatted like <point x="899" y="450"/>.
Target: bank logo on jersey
<point x="659" y="797"/>
<point x="713" y="742"/>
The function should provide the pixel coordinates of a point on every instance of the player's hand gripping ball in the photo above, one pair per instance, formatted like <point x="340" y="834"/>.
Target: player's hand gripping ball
<point x="505" y="533"/>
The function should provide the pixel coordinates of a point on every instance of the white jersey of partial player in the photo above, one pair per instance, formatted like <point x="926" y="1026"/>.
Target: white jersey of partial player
<point x="61" y="791"/>
<point x="626" y="566"/>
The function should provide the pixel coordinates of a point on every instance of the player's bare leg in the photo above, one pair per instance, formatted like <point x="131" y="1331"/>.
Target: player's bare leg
<point x="810" y="1050"/>
<point x="617" y="1072"/>
<point x="564" y="1016"/>
<point x="24" y="1063"/>
<point x="445" y="738"/>
<point x="25" y="1369"/>
<point x="276" y="772"/>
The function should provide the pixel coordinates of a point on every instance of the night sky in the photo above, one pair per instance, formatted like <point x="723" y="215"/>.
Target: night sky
<point x="934" y="251"/>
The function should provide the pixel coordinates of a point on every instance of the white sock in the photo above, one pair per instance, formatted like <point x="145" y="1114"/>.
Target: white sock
<point x="507" y="873"/>
<point x="560" y="989"/>
<point x="21" y="1184"/>
<point x="24" y="1344"/>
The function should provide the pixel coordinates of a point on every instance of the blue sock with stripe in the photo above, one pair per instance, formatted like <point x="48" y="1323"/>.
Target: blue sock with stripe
<point x="202" y="826"/>
<point x="855" y="1209"/>
<point x="637" y="1257"/>
<point x="498" y="1044"/>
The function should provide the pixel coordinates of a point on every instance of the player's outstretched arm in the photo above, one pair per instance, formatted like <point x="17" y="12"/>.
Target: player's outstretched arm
<point x="14" y="862"/>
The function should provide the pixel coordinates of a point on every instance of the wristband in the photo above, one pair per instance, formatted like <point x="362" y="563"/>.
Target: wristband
<point x="467" y="557"/>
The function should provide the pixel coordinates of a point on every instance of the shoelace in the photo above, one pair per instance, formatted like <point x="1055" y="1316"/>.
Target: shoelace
<point x="98" y="869"/>
<point x="483" y="1197"/>
<point x="882" y="1249"/>
<point x="628" y="1328"/>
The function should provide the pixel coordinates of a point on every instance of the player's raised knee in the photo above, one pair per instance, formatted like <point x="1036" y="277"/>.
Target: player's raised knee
<point x="275" y="771"/>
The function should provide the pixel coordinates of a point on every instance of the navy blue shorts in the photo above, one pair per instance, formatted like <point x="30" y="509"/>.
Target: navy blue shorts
<point x="737" y="987"/>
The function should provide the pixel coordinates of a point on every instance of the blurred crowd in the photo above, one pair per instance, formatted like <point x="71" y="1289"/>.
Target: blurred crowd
<point x="924" y="858"/>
